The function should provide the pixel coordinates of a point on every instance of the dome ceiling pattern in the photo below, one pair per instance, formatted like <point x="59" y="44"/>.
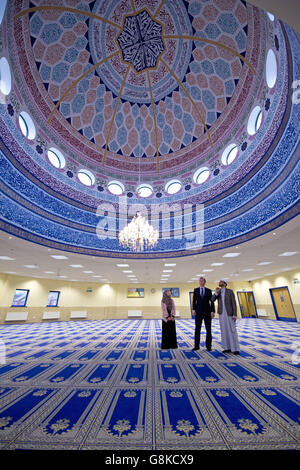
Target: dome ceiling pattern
<point x="147" y="92"/>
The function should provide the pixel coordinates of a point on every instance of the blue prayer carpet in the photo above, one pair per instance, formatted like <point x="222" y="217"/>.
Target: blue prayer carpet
<point x="108" y="385"/>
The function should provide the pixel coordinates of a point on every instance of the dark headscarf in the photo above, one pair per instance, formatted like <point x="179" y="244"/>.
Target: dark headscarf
<point x="167" y="300"/>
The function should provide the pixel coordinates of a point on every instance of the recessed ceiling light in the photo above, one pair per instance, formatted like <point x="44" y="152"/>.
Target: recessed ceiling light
<point x="207" y="270"/>
<point x="167" y="270"/>
<point x="170" y="264"/>
<point x="217" y="264"/>
<point x="249" y="269"/>
<point x="286" y="269"/>
<point x="49" y="272"/>
<point x="289" y="253"/>
<point x="127" y="271"/>
<point x="262" y="263"/>
<point x="123" y="265"/>
<point x="6" y="258"/>
<point x="76" y="265"/>
<point x="231" y="255"/>
<point x="97" y="276"/>
<point x="88" y="272"/>
<point x="31" y="266"/>
<point x="63" y="276"/>
<point x="59" y="257"/>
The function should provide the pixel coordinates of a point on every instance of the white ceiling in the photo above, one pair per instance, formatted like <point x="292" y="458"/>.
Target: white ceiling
<point x="287" y="10"/>
<point x="266" y="248"/>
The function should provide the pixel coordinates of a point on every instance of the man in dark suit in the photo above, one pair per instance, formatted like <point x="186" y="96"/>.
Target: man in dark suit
<point x="203" y="309"/>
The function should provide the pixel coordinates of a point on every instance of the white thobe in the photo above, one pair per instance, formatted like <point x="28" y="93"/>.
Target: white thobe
<point x="229" y="336"/>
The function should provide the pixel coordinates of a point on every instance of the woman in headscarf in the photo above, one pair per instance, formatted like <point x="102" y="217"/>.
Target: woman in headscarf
<point x="168" y="336"/>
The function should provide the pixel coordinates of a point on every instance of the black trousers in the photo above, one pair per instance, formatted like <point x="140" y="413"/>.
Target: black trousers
<point x="198" y="323"/>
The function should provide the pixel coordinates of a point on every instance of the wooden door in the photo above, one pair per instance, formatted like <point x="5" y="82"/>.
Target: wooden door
<point x="247" y="304"/>
<point x="282" y="304"/>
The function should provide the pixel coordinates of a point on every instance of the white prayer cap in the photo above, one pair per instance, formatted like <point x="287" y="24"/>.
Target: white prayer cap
<point x="223" y="280"/>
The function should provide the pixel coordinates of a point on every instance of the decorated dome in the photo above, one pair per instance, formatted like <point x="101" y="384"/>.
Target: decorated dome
<point x="180" y="109"/>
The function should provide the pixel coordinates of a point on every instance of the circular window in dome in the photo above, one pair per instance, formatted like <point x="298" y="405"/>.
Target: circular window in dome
<point x="144" y="190"/>
<point x="229" y="154"/>
<point x="201" y="175"/>
<point x="173" y="186"/>
<point x="2" y="9"/>
<point x="116" y="188"/>
<point x="254" y="121"/>
<point x="56" y="158"/>
<point x="5" y="76"/>
<point x="271" y="69"/>
<point x="26" y="125"/>
<point x="86" y="177"/>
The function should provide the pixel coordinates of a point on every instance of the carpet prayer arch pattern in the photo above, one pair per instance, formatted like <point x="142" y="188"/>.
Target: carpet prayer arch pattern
<point x="108" y="385"/>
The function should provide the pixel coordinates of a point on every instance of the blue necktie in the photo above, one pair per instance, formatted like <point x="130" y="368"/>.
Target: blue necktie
<point x="201" y="291"/>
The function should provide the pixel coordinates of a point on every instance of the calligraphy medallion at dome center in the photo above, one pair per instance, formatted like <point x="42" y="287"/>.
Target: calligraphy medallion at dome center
<point x="141" y="41"/>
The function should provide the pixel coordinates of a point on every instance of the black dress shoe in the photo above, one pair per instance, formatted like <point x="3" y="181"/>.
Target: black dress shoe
<point x="236" y="353"/>
<point x="208" y="349"/>
<point x="226" y="350"/>
<point x="195" y="349"/>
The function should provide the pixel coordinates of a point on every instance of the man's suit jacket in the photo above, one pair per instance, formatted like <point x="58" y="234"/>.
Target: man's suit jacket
<point x="230" y="303"/>
<point x="203" y="305"/>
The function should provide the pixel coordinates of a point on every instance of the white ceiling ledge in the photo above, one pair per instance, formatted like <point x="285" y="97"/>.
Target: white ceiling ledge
<point x="288" y="10"/>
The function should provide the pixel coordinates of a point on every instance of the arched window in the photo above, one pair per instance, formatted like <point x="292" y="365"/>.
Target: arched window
<point x="229" y="154"/>
<point x="201" y="175"/>
<point x="271" y="68"/>
<point x="56" y="158"/>
<point x="173" y="186"/>
<point x="144" y="190"/>
<point x="116" y="187"/>
<point x="27" y="126"/>
<point x="254" y="121"/>
<point x="5" y="76"/>
<point x="2" y="9"/>
<point x="86" y="177"/>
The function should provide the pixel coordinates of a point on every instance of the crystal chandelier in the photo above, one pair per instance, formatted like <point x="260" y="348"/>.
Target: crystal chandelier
<point x="138" y="235"/>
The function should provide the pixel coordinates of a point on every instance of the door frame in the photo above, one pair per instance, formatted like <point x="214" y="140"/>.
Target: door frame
<point x="274" y="304"/>
<point x="191" y="306"/>
<point x="245" y="291"/>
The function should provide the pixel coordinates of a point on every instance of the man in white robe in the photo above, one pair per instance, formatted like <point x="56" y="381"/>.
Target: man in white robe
<point x="227" y="316"/>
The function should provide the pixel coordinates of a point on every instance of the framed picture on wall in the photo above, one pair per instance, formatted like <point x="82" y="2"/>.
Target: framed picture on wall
<point x="53" y="297"/>
<point x="175" y="292"/>
<point x="135" y="292"/>
<point x="20" y="298"/>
